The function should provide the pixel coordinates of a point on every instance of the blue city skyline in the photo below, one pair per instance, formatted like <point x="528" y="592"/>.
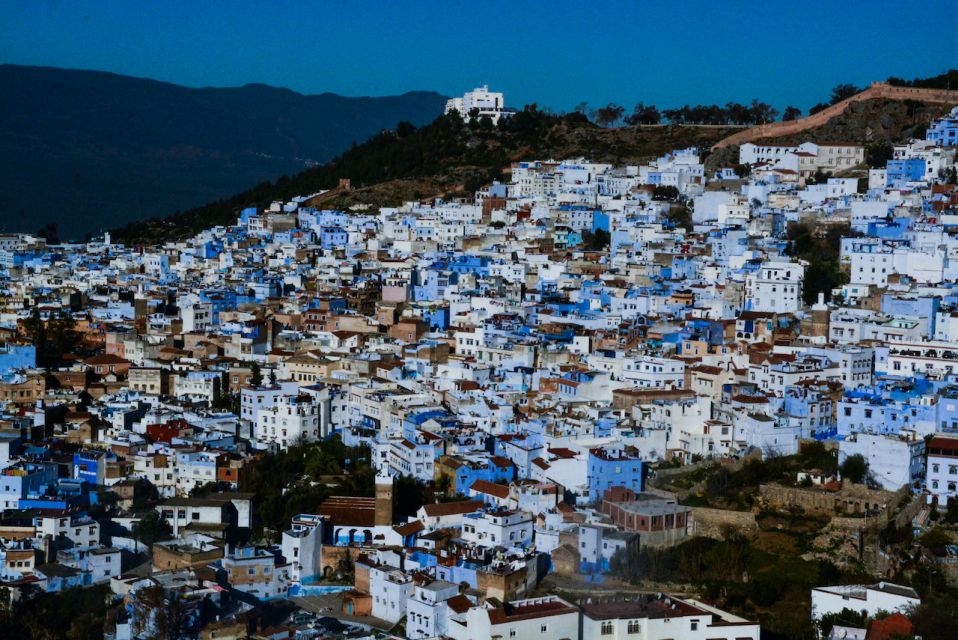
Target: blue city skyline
<point x="557" y="55"/>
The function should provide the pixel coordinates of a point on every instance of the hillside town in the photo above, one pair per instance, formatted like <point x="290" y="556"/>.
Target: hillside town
<point x="516" y="414"/>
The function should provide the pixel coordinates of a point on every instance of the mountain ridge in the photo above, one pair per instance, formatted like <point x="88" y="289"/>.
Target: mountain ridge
<point x="93" y="149"/>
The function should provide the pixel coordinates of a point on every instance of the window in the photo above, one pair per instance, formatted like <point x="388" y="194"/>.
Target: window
<point x="607" y="628"/>
<point x="635" y="626"/>
<point x="695" y="625"/>
<point x="544" y="628"/>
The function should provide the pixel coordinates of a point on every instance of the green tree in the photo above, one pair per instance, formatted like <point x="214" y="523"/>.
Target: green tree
<point x="227" y="402"/>
<point x="151" y="528"/>
<point x="854" y="468"/>
<point x="409" y="494"/>
<point x="843" y="91"/>
<point x="680" y="216"/>
<point x="597" y="240"/>
<point x="791" y="113"/>
<point x="935" y="538"/>
<point x="936" y="618"/>
<point x="815" y="455"/>
<point x="643" y="114"/>
<point x="878" y="154"/>
<point x="255" y="374"/>
<point x="405" y="129"/>
<point x="844" y="618"/>
<point x="821" y="106"/>
<point x="608" y="115"/>
<point x="761" y="112"/>
<point x="73" y="614"/>
<point x="820" y="248"/>
<point x="53" y="338"/>
<point x="665" y="192"/>
<point x="951" y="512"/>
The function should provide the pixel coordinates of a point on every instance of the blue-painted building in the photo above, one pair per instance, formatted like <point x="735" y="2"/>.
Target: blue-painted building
<point x="607" y="469"/>
<point x="90" y="465"/>
<point x="889" y="230"/>
<point x="16" y="356"/>
<point x="496" y="469"/>
<point x="476" y="265"/>
<point x="25" y="480"/>
<point x="333" y="237"/>
<point x="437" y="318"/>
<point x="918" y="307"/>
<point x="462" y="571"/>
<point x="600" y="220"/>
<point x="885" y="408"/>
<point x="433" y="283"/>
<point x="944" y="131"/>
<point x="220" y="300"/>
<point x="901" y="172"/>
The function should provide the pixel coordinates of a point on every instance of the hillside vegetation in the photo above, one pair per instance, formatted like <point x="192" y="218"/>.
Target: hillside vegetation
<point x="449" y="158"/>
<point x="446" y="157"/>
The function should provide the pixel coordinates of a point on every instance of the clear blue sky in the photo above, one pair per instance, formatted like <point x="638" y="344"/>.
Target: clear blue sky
<point x="555" y="53"/>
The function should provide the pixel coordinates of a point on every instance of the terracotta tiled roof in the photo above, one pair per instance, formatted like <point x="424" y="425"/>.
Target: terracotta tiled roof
<point x="435" y="510"/>
<point x="511" y="613"/>
<point x="459" y="603"/>
<point x="490" y="488"/>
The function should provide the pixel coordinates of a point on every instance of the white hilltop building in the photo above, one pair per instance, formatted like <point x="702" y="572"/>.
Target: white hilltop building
<point x="489" y="103"/>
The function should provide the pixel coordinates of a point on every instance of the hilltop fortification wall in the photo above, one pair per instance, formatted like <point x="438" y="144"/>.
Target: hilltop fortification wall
<point x="876" y="90"/>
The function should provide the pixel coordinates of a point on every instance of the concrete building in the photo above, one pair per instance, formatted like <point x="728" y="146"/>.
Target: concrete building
<point x="861" y="598"/>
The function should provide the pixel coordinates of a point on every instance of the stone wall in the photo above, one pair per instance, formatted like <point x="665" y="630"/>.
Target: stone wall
<point x="876" y="90"/>
<point x="565" y="560"/>
<point x="850" y="499"/>
<point x="715" y="523"/>
<point x="332" y="555"/>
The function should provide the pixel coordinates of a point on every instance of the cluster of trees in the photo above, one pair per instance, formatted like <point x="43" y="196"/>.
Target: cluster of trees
<point x="288" y="482"/>
<point x="732" y="113"/>
<point x="855" y="469"/>
<point x="596" y="241"/>
<point x="738" y="575"/>
<point x="946" y="80"/>
<point x="820" y="246"/>
<point x="927" y="620"/>
<point x="298" y="479"/>
<point x="839" y="92"/>
<point x="53" y="338"/>
<point x="74" y="614"/>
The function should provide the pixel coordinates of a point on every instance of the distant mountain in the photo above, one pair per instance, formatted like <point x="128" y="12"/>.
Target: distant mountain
<point x="90" y="150"/>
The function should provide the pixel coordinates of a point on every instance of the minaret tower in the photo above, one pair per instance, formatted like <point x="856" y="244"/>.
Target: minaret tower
<point x="384" y="499"/>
